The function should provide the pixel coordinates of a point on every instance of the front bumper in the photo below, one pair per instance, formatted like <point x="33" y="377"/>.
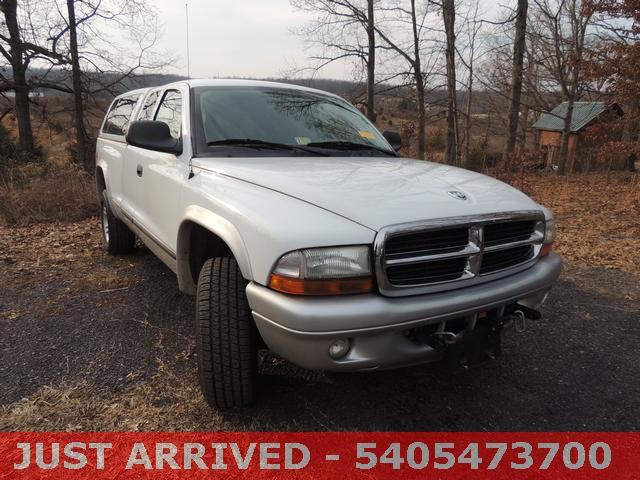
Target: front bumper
<point x="301" y="329"/>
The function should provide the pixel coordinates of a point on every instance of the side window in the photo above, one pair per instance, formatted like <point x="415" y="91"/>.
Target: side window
<point x="149" y="107"/>
<point x="170" y="112"/>
<point x="118" y="117"/>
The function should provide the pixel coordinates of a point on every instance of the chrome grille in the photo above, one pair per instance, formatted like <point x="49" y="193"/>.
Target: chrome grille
<point x="448" y="253"/>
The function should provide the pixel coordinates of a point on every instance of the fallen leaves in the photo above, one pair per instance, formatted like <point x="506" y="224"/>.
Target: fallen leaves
<point x="597" y="220"/>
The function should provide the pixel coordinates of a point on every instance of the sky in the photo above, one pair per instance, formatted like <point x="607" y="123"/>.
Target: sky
<point x="237" y="38"/>
<point x="244" y="38"/>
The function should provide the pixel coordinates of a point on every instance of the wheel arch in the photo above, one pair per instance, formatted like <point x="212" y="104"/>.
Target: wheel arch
<point x="101" y="181"/>
<point x="201" y="235"/>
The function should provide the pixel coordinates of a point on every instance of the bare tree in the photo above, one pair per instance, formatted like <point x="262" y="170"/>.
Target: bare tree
<point x="411" y="50"/>
<point x="517" y="69"/>
<point x="76" y="74"/>
<point x="19" y="52"/>
<point x="58" y="34"/>
<point x="468" y="56"/>
<point x="449" y="17"/>
<point x="371" y="61"/>
<point x="561" y="35"/>
<point x="343" y="30"/>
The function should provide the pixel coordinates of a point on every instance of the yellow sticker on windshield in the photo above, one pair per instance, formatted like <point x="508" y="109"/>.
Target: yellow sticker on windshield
<point x="367" y="134"/>
<point x="302" y="140"/>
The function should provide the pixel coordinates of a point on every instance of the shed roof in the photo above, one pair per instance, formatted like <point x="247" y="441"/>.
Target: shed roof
<point x="583" y="114"/>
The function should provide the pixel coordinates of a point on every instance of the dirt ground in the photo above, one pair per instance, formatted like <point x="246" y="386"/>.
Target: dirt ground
<point x="94" y="342"/>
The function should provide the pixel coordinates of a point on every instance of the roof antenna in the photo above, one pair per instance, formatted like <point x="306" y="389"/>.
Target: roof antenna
<point x="186" y="9"/>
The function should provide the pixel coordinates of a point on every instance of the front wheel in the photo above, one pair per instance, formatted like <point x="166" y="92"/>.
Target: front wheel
<point x="225" y="336"/>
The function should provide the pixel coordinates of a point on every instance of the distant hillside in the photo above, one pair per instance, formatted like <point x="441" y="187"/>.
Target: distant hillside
<point x="354" y="91"/>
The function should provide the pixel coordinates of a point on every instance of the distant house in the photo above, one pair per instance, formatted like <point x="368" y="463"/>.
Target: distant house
<point x="549" y="128"/>
<point x="32" y="94"/>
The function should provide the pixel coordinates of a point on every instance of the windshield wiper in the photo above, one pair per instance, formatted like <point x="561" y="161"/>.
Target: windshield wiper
<point x="254" y="143"/>
<point x="344" y="145"/>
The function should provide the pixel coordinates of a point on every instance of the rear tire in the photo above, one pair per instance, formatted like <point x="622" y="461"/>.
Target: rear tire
<point x="116" y="235"/>
<point x="225" y="336"/>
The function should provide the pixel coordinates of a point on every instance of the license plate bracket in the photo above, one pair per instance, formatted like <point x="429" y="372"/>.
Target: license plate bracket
<point x="474" y="347"/>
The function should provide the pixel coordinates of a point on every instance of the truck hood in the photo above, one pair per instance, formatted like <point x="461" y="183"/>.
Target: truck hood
<point x="376" y="192"/>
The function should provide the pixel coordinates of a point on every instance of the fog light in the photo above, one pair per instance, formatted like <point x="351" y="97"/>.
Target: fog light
<point x="339" y="348"/>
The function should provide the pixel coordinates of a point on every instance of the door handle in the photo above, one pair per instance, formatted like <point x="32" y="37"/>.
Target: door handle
<point x="139" y="170"/>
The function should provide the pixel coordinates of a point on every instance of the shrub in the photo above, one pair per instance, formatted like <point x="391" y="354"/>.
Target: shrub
<point x="435" y="139"/>
<point x="8" y="151"/>
<point x="35" y="192"/>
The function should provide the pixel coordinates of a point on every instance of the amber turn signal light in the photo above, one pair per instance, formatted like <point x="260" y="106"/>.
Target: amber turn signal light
<point x="339" y="286"/>
<point x="546" y="249"/>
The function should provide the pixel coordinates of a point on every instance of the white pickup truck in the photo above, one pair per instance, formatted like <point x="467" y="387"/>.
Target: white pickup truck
<point x="299" y="229"/>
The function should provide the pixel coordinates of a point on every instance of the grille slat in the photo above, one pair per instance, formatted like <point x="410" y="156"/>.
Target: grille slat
<point x="436" y="271"/>
<point x="500" y="259"/>
<point x="506" y="232"/>
<point x="448" y="239"/>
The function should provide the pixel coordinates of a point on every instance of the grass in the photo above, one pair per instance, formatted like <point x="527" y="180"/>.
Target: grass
<point x="167" y="402"/>
<point x="36" y="192"/>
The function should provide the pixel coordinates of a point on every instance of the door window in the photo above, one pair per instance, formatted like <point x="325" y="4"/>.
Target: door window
<point x="119" y="116"/>
<point x="149" y="107"/>
<point x="170" y="112"/>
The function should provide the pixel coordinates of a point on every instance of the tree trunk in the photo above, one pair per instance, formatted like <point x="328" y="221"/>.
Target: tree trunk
<point x="564" y="141"/>
<point x="572" y="91"/>
<point x="519" y="46"/>
<point x="417" y="75"/>
<point x="522" y="125"/>
<point x="566" y="130"/>
<point x="422" y="123"/>
<point x="26" y="142"/>
<point x="451" y="149"/>
<point x="631" y="131"/>
<point x="81" y="134"/>
<point x="467" y="116"/>
<point x="371" y="62"/>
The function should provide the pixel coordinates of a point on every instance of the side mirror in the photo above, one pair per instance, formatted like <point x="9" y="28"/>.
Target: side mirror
<point x="394" y="139"/>
<point x="153" y="135"/>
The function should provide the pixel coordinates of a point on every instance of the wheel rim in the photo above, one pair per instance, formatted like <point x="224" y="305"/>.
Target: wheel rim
<point x="105" y="222"/>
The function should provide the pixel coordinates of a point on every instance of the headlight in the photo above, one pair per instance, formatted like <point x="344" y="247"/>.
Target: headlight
<point x="549" y="237"/>
<point x="324" y="271"/>
<point x="549" y="230"/>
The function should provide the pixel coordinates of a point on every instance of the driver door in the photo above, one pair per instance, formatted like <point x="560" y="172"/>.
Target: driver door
<point x="159" y="176"/>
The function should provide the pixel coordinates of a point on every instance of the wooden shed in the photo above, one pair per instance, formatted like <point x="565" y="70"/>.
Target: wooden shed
<point x="549" y="128"/>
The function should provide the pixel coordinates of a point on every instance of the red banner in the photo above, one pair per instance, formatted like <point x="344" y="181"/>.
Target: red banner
<point x="320" y="455"/>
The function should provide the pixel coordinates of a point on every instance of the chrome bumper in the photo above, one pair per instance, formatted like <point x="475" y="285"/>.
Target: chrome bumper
<point x="301" y="329"/>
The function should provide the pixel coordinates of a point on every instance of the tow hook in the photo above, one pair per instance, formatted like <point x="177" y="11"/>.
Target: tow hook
<point x="521" y="315"/>
<point x="519" y="321"/>
<point x="447" y="337"/>
<point x="529" y="313"/>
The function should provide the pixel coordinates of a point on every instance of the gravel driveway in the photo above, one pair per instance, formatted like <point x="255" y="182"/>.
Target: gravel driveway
<point x="89" y="341"/>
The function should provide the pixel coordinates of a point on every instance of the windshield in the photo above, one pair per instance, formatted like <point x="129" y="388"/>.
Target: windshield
<point x="238" y="119"/>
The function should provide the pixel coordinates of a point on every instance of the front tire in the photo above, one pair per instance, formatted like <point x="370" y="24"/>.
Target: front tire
<point x="116" y="235"/>
<point x="225" y="336"/>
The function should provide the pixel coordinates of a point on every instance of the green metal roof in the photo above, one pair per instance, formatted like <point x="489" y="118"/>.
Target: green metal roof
<point x="583" y="114"/>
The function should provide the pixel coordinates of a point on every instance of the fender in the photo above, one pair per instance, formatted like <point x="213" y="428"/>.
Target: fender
<point x="217" y="225"/>
<point x="102" y="165"/>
